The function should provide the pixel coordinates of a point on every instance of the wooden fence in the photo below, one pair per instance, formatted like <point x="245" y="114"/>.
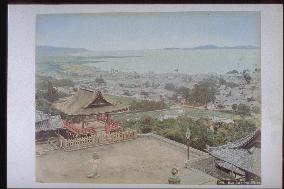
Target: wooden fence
<point x="95" y="140"/>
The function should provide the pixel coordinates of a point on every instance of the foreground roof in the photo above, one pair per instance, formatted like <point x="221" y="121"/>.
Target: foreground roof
<point x="229" y="167"/>
<point x="87" y="102"/>
<point x="244" y="142"/>
<point x="46" y="122"/>
<point x="241" y="158"/>
<point x="40" y="116"/>
<point x="243" y="153"/>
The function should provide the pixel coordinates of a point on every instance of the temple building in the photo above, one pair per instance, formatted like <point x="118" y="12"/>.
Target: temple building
<point x="88" y="114"/>
<point x="88" y="102"/>
<point x="241" y="159"/>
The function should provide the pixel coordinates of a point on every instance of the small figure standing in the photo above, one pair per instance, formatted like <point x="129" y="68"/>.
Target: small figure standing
<point x="95" y="162"/>
<point x="174" y="178"/>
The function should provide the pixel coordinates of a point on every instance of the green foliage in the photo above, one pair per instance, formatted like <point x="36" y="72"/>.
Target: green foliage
<point x="52" y="94"/>
<point x="45" y="106"/>
<point x="222" y="81"/>
<point x="173" y="134"/>
<point x="201" y="136"/>
<point x="243" y="110"/>
<point x="147" y="105"/>
<point x="231" y="84"/>
<point x="201" y="94"/>
<point x="185" y="92"/>
<point x="100" y="80"/>
<point x="256" y="109"/>
<point x="170" y="87"/>
<point x="247" y="76"/>
<point x="230" y="133"/>
<point x="63" y="83"/>
<point x="144" y="93"/>
<point x="233" y="72"/>
<point x="234" y="107"/>
<point x="42" y="82"/>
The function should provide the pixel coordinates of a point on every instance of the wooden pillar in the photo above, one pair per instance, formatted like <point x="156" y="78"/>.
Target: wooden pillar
<point x="83" y="119"/>
<point x="108" y="118"/>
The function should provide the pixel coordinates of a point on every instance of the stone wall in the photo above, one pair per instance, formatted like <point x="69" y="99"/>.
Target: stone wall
<point x="95" y="140"/>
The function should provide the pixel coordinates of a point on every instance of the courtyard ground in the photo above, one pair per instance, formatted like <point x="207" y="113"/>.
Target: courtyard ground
<point x="144" y="160"/>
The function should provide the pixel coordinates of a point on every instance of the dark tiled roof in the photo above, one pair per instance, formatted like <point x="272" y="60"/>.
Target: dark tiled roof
<point x="48" y="123"/>
<point x="236" y="154"/>
<point x="241" y="158"/>
<point x="40" y="116"/>
<point x="229" y="167"/>
<point x="237" y="144"/>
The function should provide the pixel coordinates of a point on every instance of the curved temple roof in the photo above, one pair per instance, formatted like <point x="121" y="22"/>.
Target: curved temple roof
<point x="87" y="102"/>
<point x="242" y="153"/>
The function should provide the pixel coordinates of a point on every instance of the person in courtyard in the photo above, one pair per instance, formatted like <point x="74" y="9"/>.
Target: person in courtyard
<point x="95" y="163"/>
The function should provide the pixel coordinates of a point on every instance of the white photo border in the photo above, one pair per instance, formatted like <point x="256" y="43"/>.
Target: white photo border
<point x="21" y="88"/>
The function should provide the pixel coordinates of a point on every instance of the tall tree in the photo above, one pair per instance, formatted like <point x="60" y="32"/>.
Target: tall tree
<point x="202" y="93"/>
<point x="52" y="93"/>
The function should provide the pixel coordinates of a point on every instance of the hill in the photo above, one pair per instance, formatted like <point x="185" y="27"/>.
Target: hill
<point x="225" y="47"/>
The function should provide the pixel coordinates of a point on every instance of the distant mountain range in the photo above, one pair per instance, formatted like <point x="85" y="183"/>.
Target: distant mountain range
<point x="57" y="51"/>
<point x="225" y="47"/>
<point x="217" y="47"/>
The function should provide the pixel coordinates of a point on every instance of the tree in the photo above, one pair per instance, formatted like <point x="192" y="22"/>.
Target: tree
<point x="185" y="92"/>
<point x="45" y="106"/>
<point x="256" y="109"/>
<point x="146" y="94"/>
<point x="222" y="81"/>
<point x="247" y="76"/>
<point x="100" y="81"/>
<point x="243" y="110"/>
<point x="170" y="87"/>
<point x="232" y="72"/>
<point x="234" y="107"/>
<point x="52" y="94"/>
<point x="147" y="124"/>
<point x="147" y="105"/>
<point x="173" y="134"/>
<point x="202" y="93"/>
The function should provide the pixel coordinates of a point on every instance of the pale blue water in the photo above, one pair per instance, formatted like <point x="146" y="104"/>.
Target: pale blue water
<point x="166" y="61"/>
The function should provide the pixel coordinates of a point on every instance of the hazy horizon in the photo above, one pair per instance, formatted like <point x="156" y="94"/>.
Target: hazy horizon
<point x="165" y="48"/>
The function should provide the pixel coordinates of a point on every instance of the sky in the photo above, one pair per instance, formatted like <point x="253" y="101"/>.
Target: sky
<point x="132" y="31"/>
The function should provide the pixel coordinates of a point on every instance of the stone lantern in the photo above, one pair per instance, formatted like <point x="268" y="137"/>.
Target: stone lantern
<point x="174" y="178"/>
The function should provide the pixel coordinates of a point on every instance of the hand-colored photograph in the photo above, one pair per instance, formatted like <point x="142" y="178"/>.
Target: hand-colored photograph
<point x="148" y="98"/>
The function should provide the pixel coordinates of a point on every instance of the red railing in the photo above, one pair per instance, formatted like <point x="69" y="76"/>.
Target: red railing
<point x="110" y="125"/>
<point x="73" y="129"/>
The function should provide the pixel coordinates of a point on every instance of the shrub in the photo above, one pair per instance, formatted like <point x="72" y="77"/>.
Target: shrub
<point x="147" y="105"/>
<point x="100" y="81"/>
<point x="243" y="110"/>
<point x="170" y="87"/>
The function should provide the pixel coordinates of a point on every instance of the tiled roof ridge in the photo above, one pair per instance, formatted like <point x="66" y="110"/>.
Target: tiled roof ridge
<point x="238" y="143"/>
<point x="87" y="89"/>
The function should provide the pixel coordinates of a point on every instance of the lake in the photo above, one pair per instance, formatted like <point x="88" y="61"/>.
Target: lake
<point x="167" y="61"/>
<point x="164" y="61"/>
